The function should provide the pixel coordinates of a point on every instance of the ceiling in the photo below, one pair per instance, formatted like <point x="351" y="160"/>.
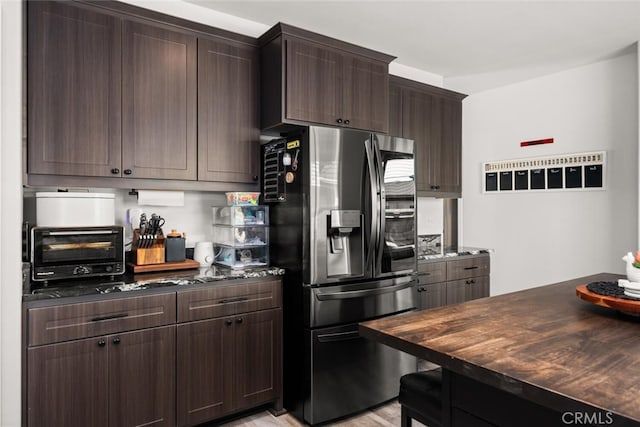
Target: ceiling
<point x="474" y="45"/>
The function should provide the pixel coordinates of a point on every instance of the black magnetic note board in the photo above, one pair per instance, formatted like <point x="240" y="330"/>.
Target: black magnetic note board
<point x="593" y="176"/>
<point x="554" y="178"/>
<point x="538" y="181"/>
<point x="573" y="177"/>
<point x="522" y="180"/>
<point x="506" y="181"/>
<point x="491" y="181"/>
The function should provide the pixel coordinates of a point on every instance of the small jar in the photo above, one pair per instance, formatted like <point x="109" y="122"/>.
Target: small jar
<point x="175" y="247"/>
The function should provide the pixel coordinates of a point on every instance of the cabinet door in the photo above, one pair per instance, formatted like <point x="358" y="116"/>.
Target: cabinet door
<point x="204" y="370"/>
<point x="142" y="378"/>
<point x="432" y="296"/>
<point x="449" y="179"/>
<point x="313" y="83"/>
<point x="421" y="122"/>
<point x="159" y="101"/>
<point x="67" y="384"/>
<point x="457" y="291"/>
<point x="228" y="120"/>
<point x="479" y="287"/>
<point x="467" y="289"/>
<point x="395" y="110"/>
<point x="434" y="122"/>
<point x="366" y="94"/>
<point x="74" y="86"/>
<point x="258" y="369"/>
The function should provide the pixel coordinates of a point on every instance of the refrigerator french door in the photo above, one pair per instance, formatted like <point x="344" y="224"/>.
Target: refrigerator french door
<point x="361" y="206"/>
<point x="342" y="224"/>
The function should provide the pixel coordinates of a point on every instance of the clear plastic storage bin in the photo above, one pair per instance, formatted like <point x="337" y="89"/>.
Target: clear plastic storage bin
<point x="241" y="237"/>
<point x="241" y="257"/>
<point x="241" y="215"/>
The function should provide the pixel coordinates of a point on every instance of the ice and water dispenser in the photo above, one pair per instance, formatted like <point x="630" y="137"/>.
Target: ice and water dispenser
<point x="345" y="243"/>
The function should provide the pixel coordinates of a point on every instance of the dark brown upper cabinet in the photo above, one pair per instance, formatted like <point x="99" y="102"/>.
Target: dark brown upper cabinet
<point x="159" y="101"/>
<point x="432" y="117"/>
<point x="109" y="97"/>
<point x="228" y="112"/>
<point x="124" y="97"/>
<point x="309" y="78"/>
<point x="74" y="85"/>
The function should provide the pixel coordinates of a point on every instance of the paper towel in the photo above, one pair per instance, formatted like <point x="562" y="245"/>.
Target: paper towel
<point x="160" y="198"/>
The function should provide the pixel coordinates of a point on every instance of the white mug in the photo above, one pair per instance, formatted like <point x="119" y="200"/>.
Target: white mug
<point x="203" y="253"/>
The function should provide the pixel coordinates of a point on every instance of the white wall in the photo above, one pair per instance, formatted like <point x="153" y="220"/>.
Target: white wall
<point x="10" y="211"/>
<point x="543" y="237"/>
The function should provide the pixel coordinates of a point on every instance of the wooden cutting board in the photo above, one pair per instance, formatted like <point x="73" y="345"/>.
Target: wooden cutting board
<point x="165" y="266"/>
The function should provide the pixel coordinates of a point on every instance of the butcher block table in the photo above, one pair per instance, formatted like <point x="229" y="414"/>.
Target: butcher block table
<point x="538" y="357"/>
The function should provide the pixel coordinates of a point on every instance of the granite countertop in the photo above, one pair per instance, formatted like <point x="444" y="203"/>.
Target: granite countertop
<point x="437" y="253"/>
<point x="143" y="281"/>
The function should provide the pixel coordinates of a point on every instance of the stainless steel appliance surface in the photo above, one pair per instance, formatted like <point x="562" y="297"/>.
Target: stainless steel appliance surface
<point x="342" y="206"/>
<point x="75" y="252"/>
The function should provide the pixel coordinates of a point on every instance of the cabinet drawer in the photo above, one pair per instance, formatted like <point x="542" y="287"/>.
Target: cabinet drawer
<point x="432" y="272"/>
<point x="468" y="267"/>
<point x="89" y="319"/>
<point x="218" y="301"/>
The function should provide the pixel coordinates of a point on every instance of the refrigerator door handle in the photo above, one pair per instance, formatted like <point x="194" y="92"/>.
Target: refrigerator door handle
<point x="381" y="209"/>
<point x="373" y="188"/>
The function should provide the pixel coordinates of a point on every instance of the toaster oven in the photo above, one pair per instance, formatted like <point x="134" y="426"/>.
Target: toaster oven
<point x="73" y="252"/>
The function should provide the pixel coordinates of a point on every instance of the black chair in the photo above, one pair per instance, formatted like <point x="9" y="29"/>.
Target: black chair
<point x="421" y="398"/>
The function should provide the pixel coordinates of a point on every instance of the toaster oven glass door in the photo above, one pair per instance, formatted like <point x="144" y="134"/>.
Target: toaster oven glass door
<point x="55" y="247"/>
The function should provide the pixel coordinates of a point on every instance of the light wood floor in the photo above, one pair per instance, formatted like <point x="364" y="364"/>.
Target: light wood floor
<point x="387" y="415"/>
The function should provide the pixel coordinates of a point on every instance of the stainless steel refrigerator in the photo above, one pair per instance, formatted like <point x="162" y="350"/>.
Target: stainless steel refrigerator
<point x="343" y="225"/>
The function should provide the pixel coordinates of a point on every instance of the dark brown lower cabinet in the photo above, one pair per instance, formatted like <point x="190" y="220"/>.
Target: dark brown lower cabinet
<point x="123" y="379"/>
<point x="467" y="289"/>
<point x="432" y="296"/>
<point x="175" y="358"/>
<point x="258" y="366"/>
<point x="228" y="364"/>
<point x="142" y="380"/>
<point x="68" y="384"/>
<point x="452" y="281"/>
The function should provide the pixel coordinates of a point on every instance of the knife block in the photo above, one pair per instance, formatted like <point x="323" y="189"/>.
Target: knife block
<point x="154" y="254"/>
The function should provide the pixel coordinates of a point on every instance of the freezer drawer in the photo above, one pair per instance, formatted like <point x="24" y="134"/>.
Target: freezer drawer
<point x="333" y="305"/>
<point x="348" y="373"/>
